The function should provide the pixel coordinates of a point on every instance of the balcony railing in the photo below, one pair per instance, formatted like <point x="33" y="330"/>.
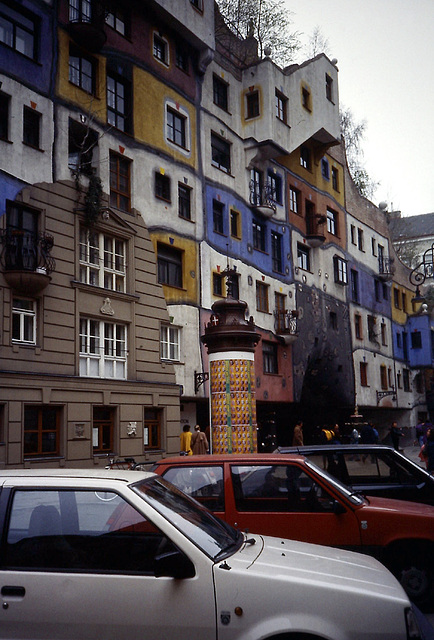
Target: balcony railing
<point x="25" y="259"/>
<point x="263" y="198"/>
<point x="286" y="324"/>
<point x="385" y="267"/>
<point x="315" y="225"/>
<point x="87" y="24"/>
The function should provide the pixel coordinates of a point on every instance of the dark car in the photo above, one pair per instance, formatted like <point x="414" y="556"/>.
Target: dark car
<point x="375" y="470"/>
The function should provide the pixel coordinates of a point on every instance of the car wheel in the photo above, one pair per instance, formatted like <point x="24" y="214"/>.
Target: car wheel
<point x="415" y="571"/>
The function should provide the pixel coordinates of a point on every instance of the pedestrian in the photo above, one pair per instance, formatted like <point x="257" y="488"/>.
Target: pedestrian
<point x="367" y="434"/>
<point x="297" y="438"/>
<point x="199" y="443"/>
<point x="395" y="434"/>
<point x="421" y="431"/>
<point x="428" y="450"/>
<point x="185" y="437"/>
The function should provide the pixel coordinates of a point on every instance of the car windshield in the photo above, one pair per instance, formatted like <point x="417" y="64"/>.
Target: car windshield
<point x="339" y="486"/>
<point x="215" y="538"/>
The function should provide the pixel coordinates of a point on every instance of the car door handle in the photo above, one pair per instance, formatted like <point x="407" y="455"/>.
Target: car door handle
<point x="17" y="592"/>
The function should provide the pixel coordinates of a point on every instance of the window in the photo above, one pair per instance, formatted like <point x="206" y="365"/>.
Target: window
<point x="275" y="187"/>
<point x="118" y="20"/>
<point x="22" y="251"/>
<point x="294" y="200"/>
<point x="335" y="179"/>
<point x="354" y="277"/>
<point x="255" y="187"/>
<point x="103" y="349"/>
<point x="152" y="429"/>
<point x="181" y="57"/>
<point x="169" y="341"/>
<point x="385" y="292"/>
<point x="333" y="320"/>
<point x="217" y="216"/>
<point x="220" y="153"/>
<point x="259" y="237"/>
<point x="416" y="340"/>
<point x="332" y="222"/>
<point x="269" y="357"/>
<point x="252" y="105"/>
<point x="396" y="298"/>
<point x="31" y="127"/>
<point x="383" y="329"/>
<point x="418" y="381"/>
<point x="325" y="169"/>
<point x="197" y="4"/>
<point x="276" y="251"/>
<point x="364" y="374"/>
<point x="23" y="321"/>
<point x="81" y="71"/>
<point x="120" y="195"/>
<point x="235" y="224"/>
<point x="360" y="241"/>
<point x="358" y="326"/>
<point x="383" y="377"/>
<point x="102" y="260"/>
<point x="372" y="334"/>
<point x="176" y="128"/>
<point x="281" y="103"/>
<point x="305" y="158"/>
<point x="399" y="340"/>
<point x="262" y="297"/>
<point x="306" y="98"/>
<point x="118" y="103"/>
<point x="377" y="289"/>
<point x="340" y="267"/>
<point x="220" y="92"/>
<point x="217" y="284"/>
<point x="184" y="201"/>
<point x="399" y="380"/>
<point x="162" y="186"/>
<point x="103" y="429"/>
<point x="169" y="261"/>
<point x="161" y="49"/>
<point x="303" y="257"/>
<point x="374" y="246"/>
<point x="404" y="301"/>
<point x="41" y="430"/>
<point x="81" y="144"/>
<point x="353" y="234"/>
<point x="406" y="379"/>
<point x="18" y="29"/>
<point x="5" y="101"/>
<point x="80" y="11"/>
<point x="329" y="87"/>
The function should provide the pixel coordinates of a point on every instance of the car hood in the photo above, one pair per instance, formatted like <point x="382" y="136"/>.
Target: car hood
<point x="403" y="507"/>
<point x="304" y="562"/>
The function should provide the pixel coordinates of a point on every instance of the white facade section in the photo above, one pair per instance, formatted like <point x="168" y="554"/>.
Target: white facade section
<point x="186" y="318"/>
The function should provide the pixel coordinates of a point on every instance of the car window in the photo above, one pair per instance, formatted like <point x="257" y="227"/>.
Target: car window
<point x="379" y="468"/>
<point x="79" y="531"/>
<point x="282" y="488"/>
<point x="205" y="483"/>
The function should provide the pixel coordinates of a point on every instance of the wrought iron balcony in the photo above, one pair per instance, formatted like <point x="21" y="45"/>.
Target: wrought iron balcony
<point x="87" y="24"/>
<point x="315" y="234"/>
<point x="286" y="324"/>
<point x="263" y="198"/>
<point x="385" y="268"/>
<point x="26" y="261"/>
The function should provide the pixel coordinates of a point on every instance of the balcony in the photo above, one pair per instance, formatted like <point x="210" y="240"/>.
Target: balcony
<point x="262" y="199"/>
<point x="87" y="25"/>
<point x="385" y="268"/>
<point x="286" y="325"/>
<point x="26" y="261"/>
<point x="315" y="234"/>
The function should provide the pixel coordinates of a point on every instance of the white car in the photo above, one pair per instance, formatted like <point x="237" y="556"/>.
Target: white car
<point x="113" y="555"/>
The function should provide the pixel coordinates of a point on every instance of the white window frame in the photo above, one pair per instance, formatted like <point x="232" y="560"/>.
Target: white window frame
<point x="26" y="321"/>
<point x="103" y="349"/>
<point x="102" y="260"/>
<point x="178" y="111"/>
<point x="303" y="258"/>
<point x="341" y="270"/>
<point x="170" y="342"/>
<point x="332" y="222"/>
<point x="166" y="59"/>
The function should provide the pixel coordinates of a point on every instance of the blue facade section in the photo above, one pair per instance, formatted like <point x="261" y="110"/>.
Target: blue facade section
<point x="277" y="237"/>
<point x="35" y="73"/>
<point x="373" y="294"/>
<point x="9" y="188"/>
<point x="414" y="342"/>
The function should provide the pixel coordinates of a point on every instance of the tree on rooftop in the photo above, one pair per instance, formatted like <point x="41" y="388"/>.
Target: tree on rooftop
<point x="268" y="21"/>
<point x="353" y="133"/>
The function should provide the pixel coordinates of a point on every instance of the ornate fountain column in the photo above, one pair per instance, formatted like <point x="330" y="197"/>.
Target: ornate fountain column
<point x="231" y="341"/>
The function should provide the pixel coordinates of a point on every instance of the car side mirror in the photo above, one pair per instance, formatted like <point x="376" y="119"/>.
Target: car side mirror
<point x="173" y="564"/>
<point x="338" y="508"/>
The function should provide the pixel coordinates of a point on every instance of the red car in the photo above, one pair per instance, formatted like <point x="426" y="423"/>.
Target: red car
<point x="289" y="496"/>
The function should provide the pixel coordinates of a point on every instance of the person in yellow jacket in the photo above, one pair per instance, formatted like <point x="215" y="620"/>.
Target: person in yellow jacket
<point x="185" y="438"/>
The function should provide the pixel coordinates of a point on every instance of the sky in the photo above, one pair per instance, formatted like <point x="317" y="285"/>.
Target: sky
<point x="385" y="53"/>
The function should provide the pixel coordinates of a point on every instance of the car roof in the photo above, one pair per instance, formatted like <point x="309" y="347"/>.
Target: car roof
<point x="93" y="474"/>
<point x="333" y="447"/>
<point x="257" y="458"/>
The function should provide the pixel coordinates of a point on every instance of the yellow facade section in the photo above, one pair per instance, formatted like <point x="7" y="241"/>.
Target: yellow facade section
<point x="189" y="293"/>
<point x="151" y="99"/>
<point x="93" y="105"/>
<point x="314" y="175"/>
<point x="402" y="306"/>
